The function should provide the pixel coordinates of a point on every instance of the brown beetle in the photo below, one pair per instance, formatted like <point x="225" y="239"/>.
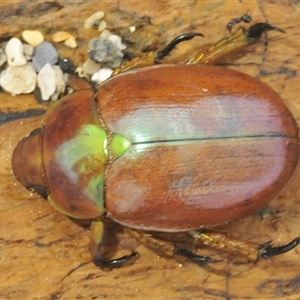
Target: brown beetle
<point x="166" y="148"/>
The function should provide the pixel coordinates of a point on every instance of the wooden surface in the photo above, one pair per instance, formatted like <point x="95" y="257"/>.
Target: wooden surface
<point x="44" y="255"/>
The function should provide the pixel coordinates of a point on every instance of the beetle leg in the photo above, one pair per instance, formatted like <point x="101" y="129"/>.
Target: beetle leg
<point x="96" y="243"/>
<point x="167" y="248"/>
<point x="171" y="46"/>
<point x="250" y="250"/>
<point x="194" y="257"/>
<point x="223" y="242"/>
<point x="153" y="57"/>
<point x="238" y="40"/>
<point x="268" y="250"/>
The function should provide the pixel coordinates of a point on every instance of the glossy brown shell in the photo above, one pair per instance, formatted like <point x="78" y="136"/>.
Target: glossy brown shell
<point x="209" y="145"/>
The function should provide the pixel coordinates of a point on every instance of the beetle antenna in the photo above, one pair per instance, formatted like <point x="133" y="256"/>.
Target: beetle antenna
<point x="268" y="250"/>
<point x="181" y="38"/>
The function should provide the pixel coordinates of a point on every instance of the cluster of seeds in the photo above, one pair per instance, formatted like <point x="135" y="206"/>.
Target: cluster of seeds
<point x="33" y="64"/>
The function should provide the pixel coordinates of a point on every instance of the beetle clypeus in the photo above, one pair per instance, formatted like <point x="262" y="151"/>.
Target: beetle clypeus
<point x="167" y="148"/>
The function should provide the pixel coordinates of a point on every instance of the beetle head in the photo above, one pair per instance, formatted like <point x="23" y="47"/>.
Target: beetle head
<point x="27" y="163"/>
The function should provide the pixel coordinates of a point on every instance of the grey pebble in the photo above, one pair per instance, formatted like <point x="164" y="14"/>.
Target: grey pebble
<point x="44" y="53"/>
<point x="105" y="52"/>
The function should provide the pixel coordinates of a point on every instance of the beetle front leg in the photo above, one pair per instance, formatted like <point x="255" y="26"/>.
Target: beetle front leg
<point x="96" y="243"/>
<point x="240" y="39"/>
<point x="168" y="248"/>
<point x="153" y="57"/>
<point x="250" y="250"/>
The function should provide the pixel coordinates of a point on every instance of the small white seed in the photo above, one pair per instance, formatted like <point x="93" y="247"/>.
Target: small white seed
<point x="102" y="75"/>
<point x="91" y="67"/>
<point x="132" y="29"/>
<point x="102" y="26"/>
<point x="46" y="81"/>
<point x="89" y="22"/>
<point x="32" y="37"/>
<point x="14" y="52"/>
<point x="28" y="51"/>
<point x="71" y="42"/>
<point x="117" y="41"/>
<point x="59" y="79"/>
<point x="18" y="80"/>
<point x="60" y="36"/>
<point x="79" y="71"/>
<point x="105" y="34"/>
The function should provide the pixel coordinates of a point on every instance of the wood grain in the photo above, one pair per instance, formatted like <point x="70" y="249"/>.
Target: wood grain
<point x="44" y="255"/>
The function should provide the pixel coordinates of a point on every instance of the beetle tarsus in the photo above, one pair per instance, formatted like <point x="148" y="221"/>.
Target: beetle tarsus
<point x="255" y="31"/>
<point x="114" y="263"/>
<point x="194" y="257"/>
<point x="181" y="38"/>
<point x="268" y="250"/>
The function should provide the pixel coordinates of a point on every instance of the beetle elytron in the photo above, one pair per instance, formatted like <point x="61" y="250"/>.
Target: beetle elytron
<point x="166" y="148"/>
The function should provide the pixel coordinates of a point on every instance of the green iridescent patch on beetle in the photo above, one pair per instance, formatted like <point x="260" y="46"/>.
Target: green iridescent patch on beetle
<point x="118" y="145"/>
<point x="83" y="159"/>
<point x="95" y="188"/>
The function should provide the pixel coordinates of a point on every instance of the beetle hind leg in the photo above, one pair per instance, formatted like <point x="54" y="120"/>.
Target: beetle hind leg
<point x="250" y="250"/>
<point x="167" y="248"/>
<point x="96" y="243"/>
<point x="268" y="250"/>
<point x="195" y="257"/>
<point x="236" y="41"/>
